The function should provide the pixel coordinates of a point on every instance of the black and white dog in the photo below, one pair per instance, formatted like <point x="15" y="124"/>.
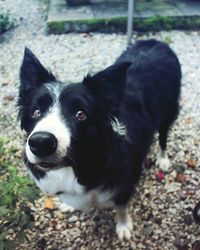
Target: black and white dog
<point x="86" y="142"/>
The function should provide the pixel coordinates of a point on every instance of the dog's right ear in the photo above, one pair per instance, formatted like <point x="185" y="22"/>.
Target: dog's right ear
<point x="32" y="72"/>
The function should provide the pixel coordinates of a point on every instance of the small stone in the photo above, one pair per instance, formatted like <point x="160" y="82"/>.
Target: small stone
<point x="188" y="219"/>
<point x="180" y="243"/>
<point x="179" y="169"/>
<point x="8" y="98"/>
<point x="172" y="187"/>
<point x="147" y="231"/>
<point x="180" y="177"/>
<point x="72" y="219"/>
<point x="196" y="245"/>
<point x="173" y="211"/>
<point x="4" y="83"/>
<point x="183" y="195"/>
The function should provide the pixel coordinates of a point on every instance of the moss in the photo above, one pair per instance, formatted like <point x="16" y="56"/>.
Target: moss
<point x="85" y="25"/>
<point x="56" y="27"/>
<point x="158" y="23"/>
<point x="6" y="22"/>
<point x="118" y="24"/>
<point x="104" y="24"/>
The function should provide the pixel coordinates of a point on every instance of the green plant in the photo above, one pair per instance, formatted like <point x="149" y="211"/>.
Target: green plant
<point x="6" y="21"/>
<point x="16" y="190"/>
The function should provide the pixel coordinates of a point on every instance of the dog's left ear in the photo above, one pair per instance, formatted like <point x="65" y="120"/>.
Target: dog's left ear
<point x="33" y="73"/>
<point x="109" y="84"/>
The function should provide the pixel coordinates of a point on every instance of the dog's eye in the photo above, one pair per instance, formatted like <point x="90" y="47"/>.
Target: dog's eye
<point x="80" y="116"/>
<point x="36" y="113"/>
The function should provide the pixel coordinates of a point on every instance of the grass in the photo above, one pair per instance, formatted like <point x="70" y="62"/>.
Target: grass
<point x="16" y="191"/>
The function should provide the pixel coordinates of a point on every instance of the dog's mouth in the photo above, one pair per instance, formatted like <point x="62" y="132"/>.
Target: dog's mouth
<point x="47" y="165"/>
<point x="42" y="165"/>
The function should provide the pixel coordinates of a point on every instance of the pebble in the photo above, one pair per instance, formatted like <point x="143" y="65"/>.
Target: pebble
<point x="196" y="245"/>
<point x="147" y="231"/>
<point x="72" y="219"/>
<point x="188" y="220"/>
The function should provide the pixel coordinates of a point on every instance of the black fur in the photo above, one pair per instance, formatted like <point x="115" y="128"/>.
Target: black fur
<point x="141" y="90"/>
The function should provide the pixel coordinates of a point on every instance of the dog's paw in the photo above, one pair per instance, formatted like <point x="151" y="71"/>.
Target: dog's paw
<point x="66" y="208"/>
<point x="123" y="230"/>
<point x="163" y="163"/>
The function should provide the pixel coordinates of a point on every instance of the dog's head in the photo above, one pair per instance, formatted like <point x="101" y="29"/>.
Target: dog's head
<point x="60" y="118"/>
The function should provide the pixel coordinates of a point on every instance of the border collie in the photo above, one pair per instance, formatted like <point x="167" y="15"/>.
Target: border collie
<point x="86" y="142"/>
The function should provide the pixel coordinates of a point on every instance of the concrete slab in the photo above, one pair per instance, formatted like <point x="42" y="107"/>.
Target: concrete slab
<point x="61" y="12"/>
<point x="188" y="9"/>
<point x="109" y="10"/>
<point x="111" y="16"/>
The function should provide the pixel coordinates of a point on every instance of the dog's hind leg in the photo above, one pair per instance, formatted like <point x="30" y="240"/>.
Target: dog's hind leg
<point x="162" y="159"/>
<point x="124" y="223"/>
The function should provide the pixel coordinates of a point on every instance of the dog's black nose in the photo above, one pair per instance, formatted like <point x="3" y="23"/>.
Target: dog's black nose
<point x="42" y="144"/>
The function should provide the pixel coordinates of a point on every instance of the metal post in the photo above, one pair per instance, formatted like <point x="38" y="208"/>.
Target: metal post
<point x="130" y="21"/>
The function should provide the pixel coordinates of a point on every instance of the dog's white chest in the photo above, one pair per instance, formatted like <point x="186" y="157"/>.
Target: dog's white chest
<point x="61" y="180"/>
<point x="72" y="193"/>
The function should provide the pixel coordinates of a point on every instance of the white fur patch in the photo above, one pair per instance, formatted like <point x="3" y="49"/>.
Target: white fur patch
<point x="119" y="127"/>
<point x="163" y="161"/>
<point x="124" y="224"/>
<point x="87" y="200"/>
<point x="55" y="90"/>
<point x="73" y="194"/>
<point x="54" y="124"/>
<point x="123" y="230"/>
<point x="59" y="180"/>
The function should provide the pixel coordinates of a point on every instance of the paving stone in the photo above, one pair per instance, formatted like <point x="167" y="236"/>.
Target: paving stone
<point x="110" y="15"/>
<point x="61" y="12"/>
<point x="109" y="10"/>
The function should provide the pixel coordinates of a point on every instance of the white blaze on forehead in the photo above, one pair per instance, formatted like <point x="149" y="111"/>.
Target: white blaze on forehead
<point x="55" y="90"/>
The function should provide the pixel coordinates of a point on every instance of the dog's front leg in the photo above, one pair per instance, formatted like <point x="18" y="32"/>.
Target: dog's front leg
<point x="71" y="202"/>
<point x="124" y="223"/>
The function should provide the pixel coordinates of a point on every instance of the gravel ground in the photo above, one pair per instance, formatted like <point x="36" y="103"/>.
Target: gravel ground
<point x="162" y="207"/>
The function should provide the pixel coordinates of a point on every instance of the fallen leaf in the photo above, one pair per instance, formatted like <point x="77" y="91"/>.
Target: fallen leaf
<point x="49" y="204"/>
<point x="192" y="163"/>
<point x="160" y="175"/>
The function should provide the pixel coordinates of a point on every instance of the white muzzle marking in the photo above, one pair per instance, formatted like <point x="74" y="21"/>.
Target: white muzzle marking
<point x="53" y="124"/>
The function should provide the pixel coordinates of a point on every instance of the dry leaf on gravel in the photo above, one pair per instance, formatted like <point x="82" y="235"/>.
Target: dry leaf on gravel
<point x="49" y="204"/>
<point x="192" y="163"/>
